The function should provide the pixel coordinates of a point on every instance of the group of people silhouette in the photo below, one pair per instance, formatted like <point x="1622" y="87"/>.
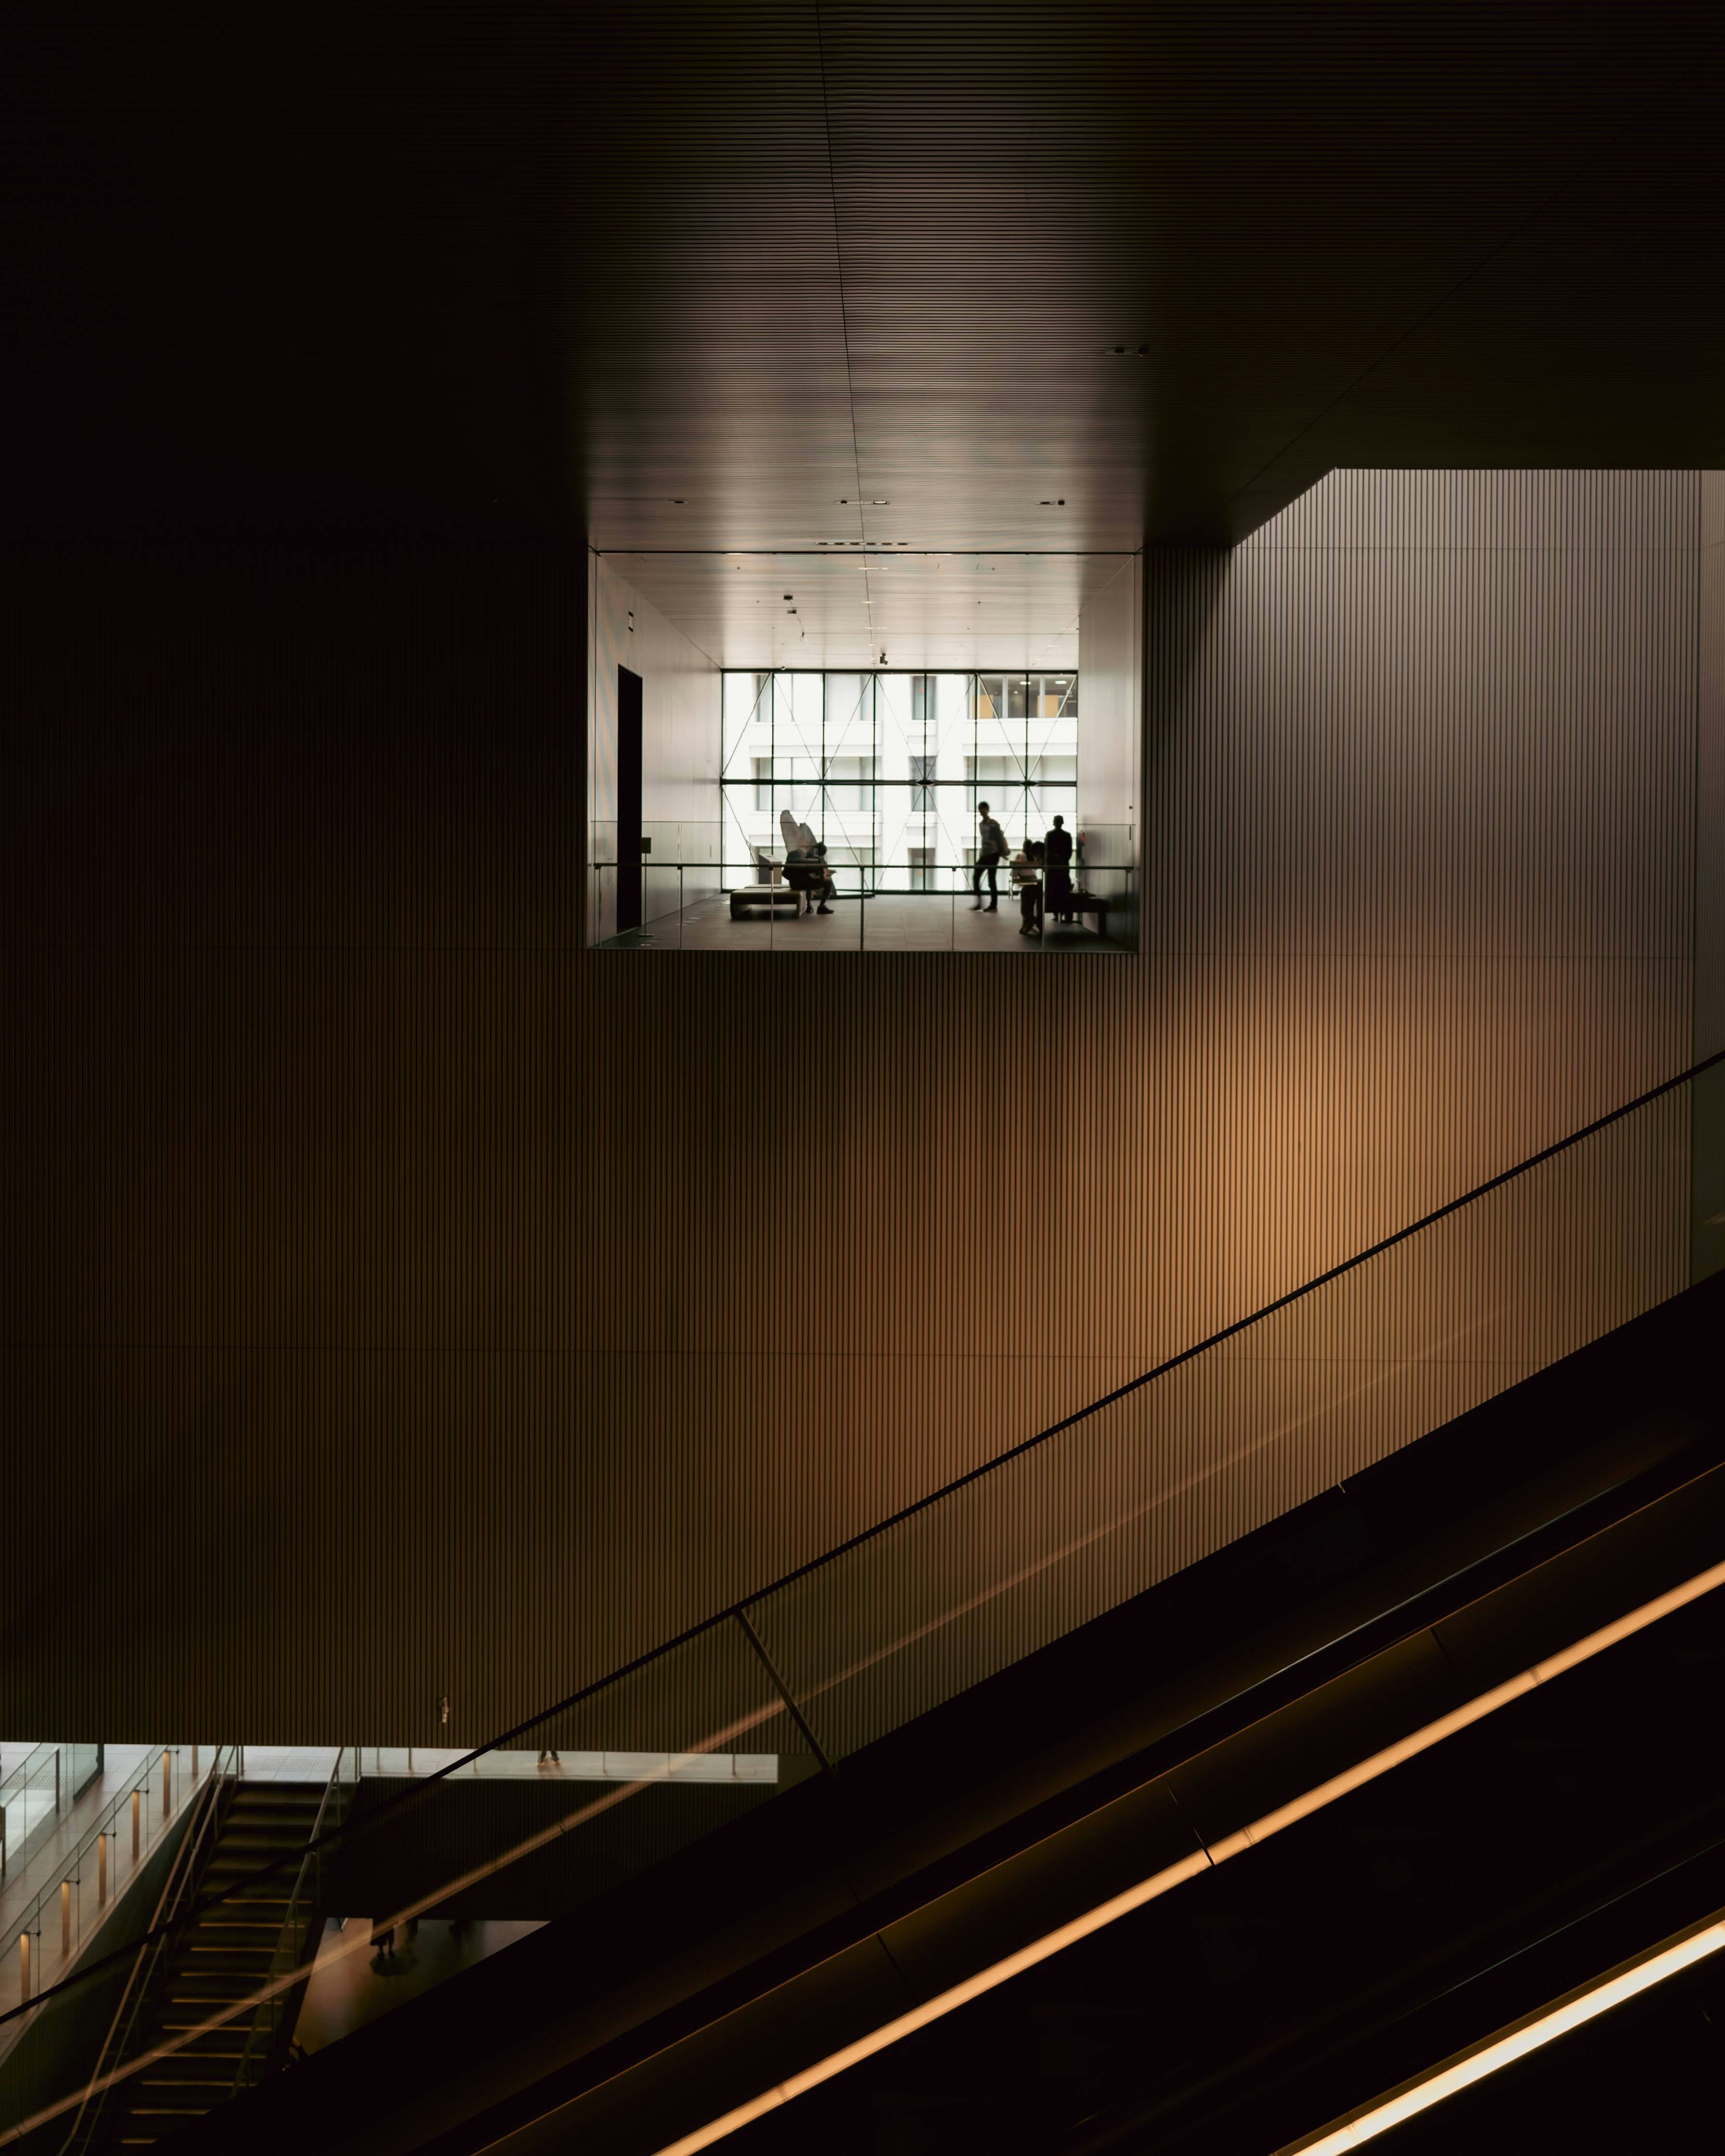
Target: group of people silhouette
<point x="1041" y="871"/>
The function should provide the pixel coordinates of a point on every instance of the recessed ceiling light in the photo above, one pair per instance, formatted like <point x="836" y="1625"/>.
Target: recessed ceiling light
<point x="880" y="501"/>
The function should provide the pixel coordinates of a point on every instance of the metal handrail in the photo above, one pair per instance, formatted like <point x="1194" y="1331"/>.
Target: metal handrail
<point x="147" y="1955"/>
<point x="290" y="1942"/>
<point x="70" y="1870"/>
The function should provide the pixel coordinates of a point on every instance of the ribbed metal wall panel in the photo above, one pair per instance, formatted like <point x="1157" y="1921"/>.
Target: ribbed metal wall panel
<point x="1710" y="880"/>
<point x="415" y="1304"/>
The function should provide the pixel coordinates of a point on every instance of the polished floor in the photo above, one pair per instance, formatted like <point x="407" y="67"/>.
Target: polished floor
<point x="358" y="1976"/>
<point x="892" y="921"/>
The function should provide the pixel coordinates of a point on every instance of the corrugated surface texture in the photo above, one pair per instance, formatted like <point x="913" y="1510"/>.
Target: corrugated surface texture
<point x="411" y="1303"/>
<point x="1709" y="882"/>
<point x="896" y="270"/>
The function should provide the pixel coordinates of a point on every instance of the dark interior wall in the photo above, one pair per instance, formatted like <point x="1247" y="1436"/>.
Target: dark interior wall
<point x="1710" y="879"/>
<point x="413" y="1303"/>
<point x="292" y="863"/>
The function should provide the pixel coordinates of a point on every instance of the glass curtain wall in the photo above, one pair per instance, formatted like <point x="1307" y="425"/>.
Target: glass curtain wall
<point x="886" y="769"/>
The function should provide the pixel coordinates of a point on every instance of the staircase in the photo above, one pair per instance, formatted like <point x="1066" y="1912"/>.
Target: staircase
<point x="222" y="1956"/>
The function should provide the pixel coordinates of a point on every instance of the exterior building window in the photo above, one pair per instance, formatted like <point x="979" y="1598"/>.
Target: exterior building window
<point x="887" y="769"/>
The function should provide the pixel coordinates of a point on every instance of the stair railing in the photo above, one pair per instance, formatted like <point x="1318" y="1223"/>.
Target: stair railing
<point x="189" y="1858"/>
<point x="281" y="2003"/>
<point x="63" y="1915"/>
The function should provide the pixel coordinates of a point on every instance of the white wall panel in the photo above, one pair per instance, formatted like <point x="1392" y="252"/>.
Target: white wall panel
<point x="681" y="732"/>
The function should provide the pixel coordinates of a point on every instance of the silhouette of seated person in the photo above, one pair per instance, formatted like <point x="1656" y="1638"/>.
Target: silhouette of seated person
<point x="1057" y="872"/>
<point x="1027" y="870"/>
<point x="806" y="872"/>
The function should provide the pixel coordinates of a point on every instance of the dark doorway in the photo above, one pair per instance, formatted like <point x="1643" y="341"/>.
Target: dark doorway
<point x="629" y="800"/>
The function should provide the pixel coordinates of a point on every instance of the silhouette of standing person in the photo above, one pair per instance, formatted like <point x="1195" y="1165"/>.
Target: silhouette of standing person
<point x="990" y="853"/>
<point x="1057" y="864"/>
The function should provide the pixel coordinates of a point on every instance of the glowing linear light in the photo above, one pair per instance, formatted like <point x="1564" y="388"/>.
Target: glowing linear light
<point x="1204" y="1859"/>
<point x="1545" y="2027"/>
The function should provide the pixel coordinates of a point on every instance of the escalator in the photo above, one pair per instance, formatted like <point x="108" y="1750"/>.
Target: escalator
<point x="1258" y="1995"/>
<point x="1002" y="1820"/>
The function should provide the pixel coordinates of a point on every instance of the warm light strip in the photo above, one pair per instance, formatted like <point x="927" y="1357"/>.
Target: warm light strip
<point x="1572" y="2013"/>
<point x="1233" y="1845"/>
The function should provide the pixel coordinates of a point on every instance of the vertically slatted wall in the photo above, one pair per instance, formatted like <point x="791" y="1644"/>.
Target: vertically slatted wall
<point x="416" y="1303"/>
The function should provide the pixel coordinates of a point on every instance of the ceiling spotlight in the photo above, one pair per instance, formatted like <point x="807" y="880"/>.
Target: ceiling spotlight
<point x="790" y="595"/>
<point x="883" y="659"/>
<point x="880" y="501"/>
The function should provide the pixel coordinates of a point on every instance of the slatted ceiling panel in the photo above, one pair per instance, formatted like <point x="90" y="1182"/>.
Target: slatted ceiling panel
<point x="1273" y="203"/>
<point x="925" y="610"/>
